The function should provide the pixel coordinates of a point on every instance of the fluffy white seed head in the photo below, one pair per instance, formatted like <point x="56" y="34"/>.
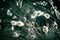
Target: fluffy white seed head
<point x="20" y="23"/>
<point x="14" y="22"/>
<point x="9" y="13"/>
<point x="14" y="17"/>
<point x="45" y="29"/>
<point x="47" y="16"/>
<point x="33" y="36"/>
<point x="16" y="34"/>
<point x="37" y="13"/>
<point x="12" y="28"/>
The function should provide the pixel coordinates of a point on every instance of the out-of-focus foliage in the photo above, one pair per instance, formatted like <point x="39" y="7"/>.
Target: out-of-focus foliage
<point x="29" y="20"/>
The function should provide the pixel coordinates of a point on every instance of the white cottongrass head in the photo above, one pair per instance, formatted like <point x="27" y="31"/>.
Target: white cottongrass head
<point x="20" y="23"/>
<point x="34" y="4"/>
<point x="33" y="36"/>
<point x="12" y="28"/>
<point x="16" y="34"/>
<point x="40" y="13"/>
<point x="33" y="16"/>
<point x="47" y="16"/>
<point x="9" y="13"/>
<point x="55" y="25"/>
<point x="36" y="13"/>
<point x="30" y="29"/>
<point x="45" y="29"/>
<point x="14" y="22"/>
<point x="14" y="17"/>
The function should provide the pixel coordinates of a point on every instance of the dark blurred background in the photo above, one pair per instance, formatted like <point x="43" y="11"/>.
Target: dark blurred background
<point x="6" y="4"/>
